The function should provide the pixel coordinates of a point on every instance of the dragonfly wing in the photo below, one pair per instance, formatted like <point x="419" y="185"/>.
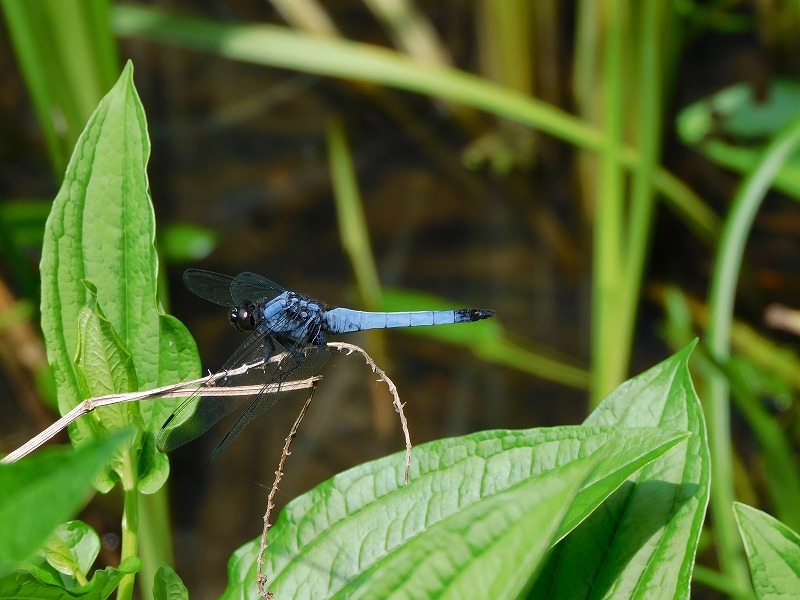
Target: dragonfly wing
<point x="214" y="287"/>
<point x="291" y="368"/>
<point x="198" y="414"/>
<point x="252" y="287"/>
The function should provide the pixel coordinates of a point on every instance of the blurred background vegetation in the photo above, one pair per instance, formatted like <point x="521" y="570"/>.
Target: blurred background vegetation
<point x="591" y="170"/>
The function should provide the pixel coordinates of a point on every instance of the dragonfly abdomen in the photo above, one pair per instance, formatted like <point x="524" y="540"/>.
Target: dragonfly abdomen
<point x="344" y="320"/>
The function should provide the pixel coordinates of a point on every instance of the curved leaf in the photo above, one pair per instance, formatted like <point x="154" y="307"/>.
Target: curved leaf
<point x="39" y="492"/>
<point x="643" y="542"/>
<point x="332" y="538"/>
<point x="23" y="584"/>
<point x="773" y="551"/>
<point x="72" y="548"/>
<point x="102" y="229"/>
<point x="168" y="586"/>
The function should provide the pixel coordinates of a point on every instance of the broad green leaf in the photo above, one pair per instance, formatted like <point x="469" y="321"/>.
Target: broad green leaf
<point x="168" y="586"/>
<point x="490" y="549"/>
<point x="72" y="549"/>
<point x="732" y="126"/>
<point x="177" y="358"/>
<point x="102" y="229"/>
<point x="39" y="492"/>
<point x="773" y="551"/>
<point x="642" y="543"/>
<point x="367" y="517"/>
<point x="25" y="584"/>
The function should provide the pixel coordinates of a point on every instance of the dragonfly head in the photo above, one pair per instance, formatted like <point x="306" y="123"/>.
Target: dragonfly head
<point x="243" y="316"/>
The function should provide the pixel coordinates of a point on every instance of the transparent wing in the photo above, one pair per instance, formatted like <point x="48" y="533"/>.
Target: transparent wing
<point x="291" y="368"/>
<point x="227" y="290"/>
<point x="210" y="286"/>
<point x="275" y="365"/>
<point x="197" y="414"/>
<point x="253" y="287"/>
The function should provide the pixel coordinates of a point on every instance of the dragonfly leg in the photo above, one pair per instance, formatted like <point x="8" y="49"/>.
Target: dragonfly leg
<point x="291" y="346"/>
<point x="269" y="349"/>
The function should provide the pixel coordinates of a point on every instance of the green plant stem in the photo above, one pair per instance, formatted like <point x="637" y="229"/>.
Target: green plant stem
<point x="155" y="545"/>
<point x="130" y="520"/>
<point x="68" y="57"/>
<point x="717" y="581"/>
<point x="779" y="463"/>
<point x="721" y="297"/>
<point x="607" y="351"/>
<point x="652" y="37"/>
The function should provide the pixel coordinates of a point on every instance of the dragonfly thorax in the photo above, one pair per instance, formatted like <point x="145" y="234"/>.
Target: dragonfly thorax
<point x="243" y="316"/>
<point x="302" y="319"/>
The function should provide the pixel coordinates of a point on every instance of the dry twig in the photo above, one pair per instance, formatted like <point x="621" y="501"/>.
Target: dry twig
<point x="176" y="390"/>
<point x="398" y="406"/>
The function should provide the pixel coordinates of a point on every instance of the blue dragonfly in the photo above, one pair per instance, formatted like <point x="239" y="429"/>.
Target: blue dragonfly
<point x="287" y="344"/>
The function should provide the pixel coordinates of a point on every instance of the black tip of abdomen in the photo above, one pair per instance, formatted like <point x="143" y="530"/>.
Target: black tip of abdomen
<point x="465" y="315"/>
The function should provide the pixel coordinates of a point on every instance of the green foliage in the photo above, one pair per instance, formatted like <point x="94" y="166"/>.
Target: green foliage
<point x="482" y="513"/>
<point x="72" y="549"/>
<point x="168" y="586"/>
<point x="732" y="128"/>
<point x="34" y="582"/>
<point x="612" y="508"/>
<point x="104" y="330"/>
<point x="100" y="316"/>
<point x="68" y="56"/>
<point x="773" y="551"/>
<point x="38" y="493"/>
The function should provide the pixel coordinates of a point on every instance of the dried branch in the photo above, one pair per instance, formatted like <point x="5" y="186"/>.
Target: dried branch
<point x="205" y="385"/>
<point x="262" y="580"/>
<point x="398" y="406"/>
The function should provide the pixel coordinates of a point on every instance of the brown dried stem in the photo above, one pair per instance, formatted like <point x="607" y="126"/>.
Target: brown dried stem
<point x="398" y="406"/>
<point x="176" y="390"/>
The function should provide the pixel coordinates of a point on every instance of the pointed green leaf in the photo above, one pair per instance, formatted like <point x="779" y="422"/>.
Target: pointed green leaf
<point x="39" y="492"/>
<point x="643" y="542"/>
<point x="103" y="366"/>
<point x="102" y="229"/>
<point x="168" y="586"/>
<point x="72" y="549"/>
<point x="364" y="518"/>
<point x="773" y="551"/>
<point x="24" y="584"/>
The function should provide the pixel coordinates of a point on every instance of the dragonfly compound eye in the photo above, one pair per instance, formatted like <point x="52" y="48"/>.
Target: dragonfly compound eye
<point x="242" y="317"/>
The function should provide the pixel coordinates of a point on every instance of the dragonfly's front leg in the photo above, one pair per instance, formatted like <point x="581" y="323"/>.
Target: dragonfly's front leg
<point x="291" y="346"/>
<point x="269" y="350"/>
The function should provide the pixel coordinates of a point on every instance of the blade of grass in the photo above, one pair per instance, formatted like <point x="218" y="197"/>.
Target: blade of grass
<point x="651" y="40"/>
<point x="488" y="340"/>
<point x="410" y="30"/>
<point x="609" y="361"/>
<point x="68" y="58"/>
